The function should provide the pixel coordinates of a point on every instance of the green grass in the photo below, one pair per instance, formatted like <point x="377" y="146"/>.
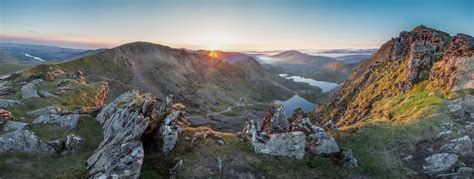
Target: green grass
<point x="6" y="68"/>
<point x="379" y="146"/>
<point x="408" y="105"/>
<point x="79" y="96"/>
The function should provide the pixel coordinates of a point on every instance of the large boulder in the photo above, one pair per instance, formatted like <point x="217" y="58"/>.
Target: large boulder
<point x="293" y="138"/>
<point x="25" y="141"/>
<point x="461" y="146"/>
<point x="283" y="144"/>
<point x="319" y="142"/>
<point x="120" y="154"/>
<point x="439" y="163"/>
<point x="28" y="90"/>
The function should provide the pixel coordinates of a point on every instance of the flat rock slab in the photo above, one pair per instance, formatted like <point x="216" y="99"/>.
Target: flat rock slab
<point x="70" y="120"/>
<point x="13" y="125"/>
<point x="7" y="103"/>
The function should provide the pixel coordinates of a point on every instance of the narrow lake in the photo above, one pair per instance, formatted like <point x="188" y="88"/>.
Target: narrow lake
<point x="324" y="85"/>
<point x="291" y="103"/>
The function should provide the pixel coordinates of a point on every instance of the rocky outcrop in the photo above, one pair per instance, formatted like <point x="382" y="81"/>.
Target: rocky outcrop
<point x="426" y="46"/>
<point x="7" y="103"/>
<point x="171" y="127"/>
<point x="276" y="120"/>
<point x="28" y="90"/>
<point x="455" y="71"/>
<point x="69" y="144"/>
<point x="171" y="121"/>
<point x="283" y="144"/>
<point x="13" y="125"/>
<point x="124" y="121"/>
<point x="461" y="109"/>
<point x="25" y="141"/>
<point x="55" y="115"/>
<point x="423" y="54"/>
<point x="439" y="163"/>
<point x="319" y="142"/>
<point x="67" y="120"/>
<point x="49" y="72"/>
<point x="461" y="146"/>
<point x="298" y="138"/>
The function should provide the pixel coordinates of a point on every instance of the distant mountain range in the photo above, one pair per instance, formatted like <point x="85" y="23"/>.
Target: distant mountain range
<point x="318" y="67"/>
<point x="15" y="57"/>
<point x="26" y="52"/>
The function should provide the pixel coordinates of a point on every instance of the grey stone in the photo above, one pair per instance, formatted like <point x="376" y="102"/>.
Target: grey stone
<point x="284" y="144"/>
<point x="466" y="170"/>
<point x="46" y="94"/>
<point x="175" y="168"/>
<point x="444" y="134"/>
<point x="13" y="125"/>
<point x="172" y="125"/>
<point x="279" y="122"/>
<point x="68" y="120"/>
<point x="25" y="141"/>
<point x="439" y="163"/>
<point x="69" y="144"/>
<point x="462" y="146"/>
<point x="349" y="159"/>
<point x="44" y="111"/>
<point x="408" y="158"/>
<point x="7" y="103"/>
<point x="169" y="136"/>
<point x="28" y="90"/>
<point x="120" y="154"/>
<point x="72" y="142"/>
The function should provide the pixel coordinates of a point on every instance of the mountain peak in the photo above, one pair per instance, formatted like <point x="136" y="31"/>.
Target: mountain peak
<point x="421" y="28"/>
<point x="293" y="52"/>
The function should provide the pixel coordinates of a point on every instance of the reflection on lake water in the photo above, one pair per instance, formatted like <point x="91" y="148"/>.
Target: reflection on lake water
<point x="325" y="86"/>
<point x="291" y="103"/>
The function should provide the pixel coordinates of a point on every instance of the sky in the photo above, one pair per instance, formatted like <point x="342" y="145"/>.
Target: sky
<point x="235" y="25"/>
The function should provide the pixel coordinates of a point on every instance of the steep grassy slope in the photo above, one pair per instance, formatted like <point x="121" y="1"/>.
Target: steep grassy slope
<point x="394" y="104"/>
<point x="395" y="69"/>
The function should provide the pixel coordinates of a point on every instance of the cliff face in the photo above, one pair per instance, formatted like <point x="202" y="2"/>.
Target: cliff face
<point x="423" y="54"/>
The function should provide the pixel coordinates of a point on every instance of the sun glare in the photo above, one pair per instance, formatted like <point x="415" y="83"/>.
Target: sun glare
<point x="213" y="53"/>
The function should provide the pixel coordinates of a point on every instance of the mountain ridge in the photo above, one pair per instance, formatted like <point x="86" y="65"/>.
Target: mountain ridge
<point x="399" y="65"/>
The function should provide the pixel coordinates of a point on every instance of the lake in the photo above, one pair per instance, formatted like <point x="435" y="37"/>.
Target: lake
<point x="324" y="85"/>
<point x="291" y="103"/>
